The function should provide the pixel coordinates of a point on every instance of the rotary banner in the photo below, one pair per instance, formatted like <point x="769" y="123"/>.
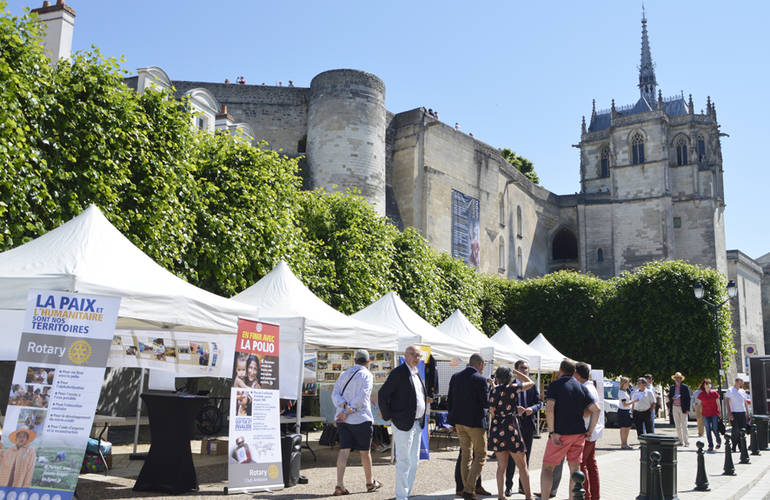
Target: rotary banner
<point x="254" y="458"/>
<point x="59" y="371"/>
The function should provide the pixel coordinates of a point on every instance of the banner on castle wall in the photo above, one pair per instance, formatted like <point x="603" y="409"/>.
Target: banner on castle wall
<point x="254" y="454"/>
<point x="466" y="234"/>
<point x="65" y="342"/>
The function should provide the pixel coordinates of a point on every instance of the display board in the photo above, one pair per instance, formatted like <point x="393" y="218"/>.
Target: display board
<point x="254" y="454"/>
<point x="331" y="363"/>
<point x="446" y="369"/>
<point x="185" y="353"/>
<point x="59" y="371"/>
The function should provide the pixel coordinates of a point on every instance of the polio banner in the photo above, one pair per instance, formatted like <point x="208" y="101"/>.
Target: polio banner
<point x="254" y="458"/>
<point x="59" y="371"/>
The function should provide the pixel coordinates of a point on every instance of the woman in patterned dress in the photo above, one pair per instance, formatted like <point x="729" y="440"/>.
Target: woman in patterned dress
<point x="504" y="435"/>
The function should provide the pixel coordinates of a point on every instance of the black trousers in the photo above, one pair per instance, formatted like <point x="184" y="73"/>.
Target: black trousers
<point x="738" y="423"/>
<point x="642" y="419"/>
<point x="528" y="434"/>
<point x="459" y="477"/>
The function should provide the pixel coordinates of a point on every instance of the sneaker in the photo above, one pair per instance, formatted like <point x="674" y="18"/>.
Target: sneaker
<point x="719" y="445"/>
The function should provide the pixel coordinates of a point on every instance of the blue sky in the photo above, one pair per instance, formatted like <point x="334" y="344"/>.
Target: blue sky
<point x="516" y="74"/>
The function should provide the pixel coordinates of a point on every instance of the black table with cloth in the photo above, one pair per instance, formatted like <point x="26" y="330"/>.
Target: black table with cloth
<point x="169" y="465"/>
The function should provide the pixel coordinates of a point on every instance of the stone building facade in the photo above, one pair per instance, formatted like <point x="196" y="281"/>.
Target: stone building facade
<point x="651" y="176"/>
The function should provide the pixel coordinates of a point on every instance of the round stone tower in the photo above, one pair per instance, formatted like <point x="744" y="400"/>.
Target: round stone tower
<point x="346" y="133"/>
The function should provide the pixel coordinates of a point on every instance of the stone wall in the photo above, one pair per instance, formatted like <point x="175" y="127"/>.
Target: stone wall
<point x="277" y="115"/>
<point x="746" y="307"/>
<point x="430" y="159"/>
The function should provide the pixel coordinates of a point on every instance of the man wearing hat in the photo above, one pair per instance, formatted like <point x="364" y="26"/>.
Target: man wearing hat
<point x="680" y="397"/>
<point x="18" y="462"/>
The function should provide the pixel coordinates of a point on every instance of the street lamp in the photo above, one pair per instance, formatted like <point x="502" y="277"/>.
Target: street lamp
<point x="732" y="290"/>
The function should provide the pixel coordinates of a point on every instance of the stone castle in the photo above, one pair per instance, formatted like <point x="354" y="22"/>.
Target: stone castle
<point x="651" y="176"/>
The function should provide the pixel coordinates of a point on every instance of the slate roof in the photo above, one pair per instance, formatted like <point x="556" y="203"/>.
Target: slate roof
<point x="672" y="107"/>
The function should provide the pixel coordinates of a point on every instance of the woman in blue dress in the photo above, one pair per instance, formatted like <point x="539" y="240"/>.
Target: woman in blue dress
<point x="505" y="437"/>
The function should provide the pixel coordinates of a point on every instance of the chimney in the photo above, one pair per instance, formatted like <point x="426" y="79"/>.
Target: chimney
<point x="59" y="22"/>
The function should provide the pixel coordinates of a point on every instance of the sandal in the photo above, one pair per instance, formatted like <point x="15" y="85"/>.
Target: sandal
<point x="373" y="486"/>
<point x="339" y="491"/>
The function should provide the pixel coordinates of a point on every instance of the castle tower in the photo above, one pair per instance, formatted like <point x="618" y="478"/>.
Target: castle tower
<point x="346" y="133"/>
<point x="59" y="23"/>
<point x="651" y="182"/>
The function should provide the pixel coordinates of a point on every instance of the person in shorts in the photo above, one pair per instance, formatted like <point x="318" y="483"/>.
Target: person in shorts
<point x="351" y="398"/>
<point x="566" y="400"/>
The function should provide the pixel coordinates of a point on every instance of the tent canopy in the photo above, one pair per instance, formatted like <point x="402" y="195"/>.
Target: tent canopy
<point x="280" y="294"/>
<point x="392" y="312"/>
<point x="89" y="255"/>
<point x="506" y="338"/>
<point x="551" y="357"/>
<point x="458" y="326"/>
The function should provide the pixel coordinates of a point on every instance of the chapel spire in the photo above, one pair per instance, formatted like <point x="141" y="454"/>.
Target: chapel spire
<point x="647" y="82"/>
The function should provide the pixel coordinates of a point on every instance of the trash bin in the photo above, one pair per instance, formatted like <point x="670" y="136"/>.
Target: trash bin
<point x="666" y="446"/>
<point x="763" y="430"/>
<point x="290" y="455"/>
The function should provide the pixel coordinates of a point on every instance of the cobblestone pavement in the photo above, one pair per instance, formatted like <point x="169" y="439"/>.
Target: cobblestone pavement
<point x="619" y="472"/>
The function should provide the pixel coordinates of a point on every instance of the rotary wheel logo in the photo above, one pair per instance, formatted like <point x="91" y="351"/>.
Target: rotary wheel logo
<point x="272" y="471"/>
<point x="79" y="352"/>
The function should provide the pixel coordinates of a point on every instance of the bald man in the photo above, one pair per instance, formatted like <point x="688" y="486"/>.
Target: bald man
<point x="404" y="401"/>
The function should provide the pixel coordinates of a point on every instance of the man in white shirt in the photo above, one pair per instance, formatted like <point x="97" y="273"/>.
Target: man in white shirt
<point x="589" y="467"/>
<point x="737" y="409"/>
<point x="351" y="398"/>
<point x="644" y="403"/>
<point x="404" y="401"/>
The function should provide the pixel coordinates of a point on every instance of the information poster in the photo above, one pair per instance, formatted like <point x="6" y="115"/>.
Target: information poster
<point x="185" y="353"/>
<point x="65" y="342"/>
<point x="254" y="454"/>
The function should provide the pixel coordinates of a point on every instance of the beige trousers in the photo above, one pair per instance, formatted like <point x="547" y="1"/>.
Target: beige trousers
<point x="699" y="417"/>
<point x="680" y="422"/>
<point x="473" y="446"/>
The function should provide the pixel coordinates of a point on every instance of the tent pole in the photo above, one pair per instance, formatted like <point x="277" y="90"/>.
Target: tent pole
<point x="138" y="409"/>
<point x="539" y="371"/>
<point x="298" y="425"/>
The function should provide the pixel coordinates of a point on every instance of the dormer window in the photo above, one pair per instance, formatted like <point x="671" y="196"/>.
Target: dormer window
<point x="604" y="162"/>
<point x="637" y="148"/>
<point x="681" y="151"/>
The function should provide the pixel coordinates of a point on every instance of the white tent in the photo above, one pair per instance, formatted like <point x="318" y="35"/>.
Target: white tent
<point x="551" y="357"/>
<point x="459" y="327"/>
<point x="390" y="311"/>
<point x="507" y="339"/>
<point x="282" y="298"/>
<point x="89" y="255"/>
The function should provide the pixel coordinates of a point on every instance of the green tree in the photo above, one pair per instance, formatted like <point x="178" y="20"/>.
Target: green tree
<point x="459" y="288"/>
<point x="653" y="323"/>
<point x="246" y="220"/>
<point x="565" y="306"/>
<point x="524" y="166"/>
<point x="25" y="95"/>
<point x="350" y="249"/>
<point x="414" y="275"/>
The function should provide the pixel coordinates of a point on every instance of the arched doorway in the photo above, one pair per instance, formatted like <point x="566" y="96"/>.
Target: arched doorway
<point x="565" y="246"/>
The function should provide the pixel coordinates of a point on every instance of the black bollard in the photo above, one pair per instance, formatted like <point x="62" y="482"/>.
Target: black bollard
<point x="729" y="469"/>
<point x="701" y="479"/>
<point x="578" y="493"/>
<point x="656" y="471"/>
<point x="754" y="438"/>
<point x="744" y="450"/>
